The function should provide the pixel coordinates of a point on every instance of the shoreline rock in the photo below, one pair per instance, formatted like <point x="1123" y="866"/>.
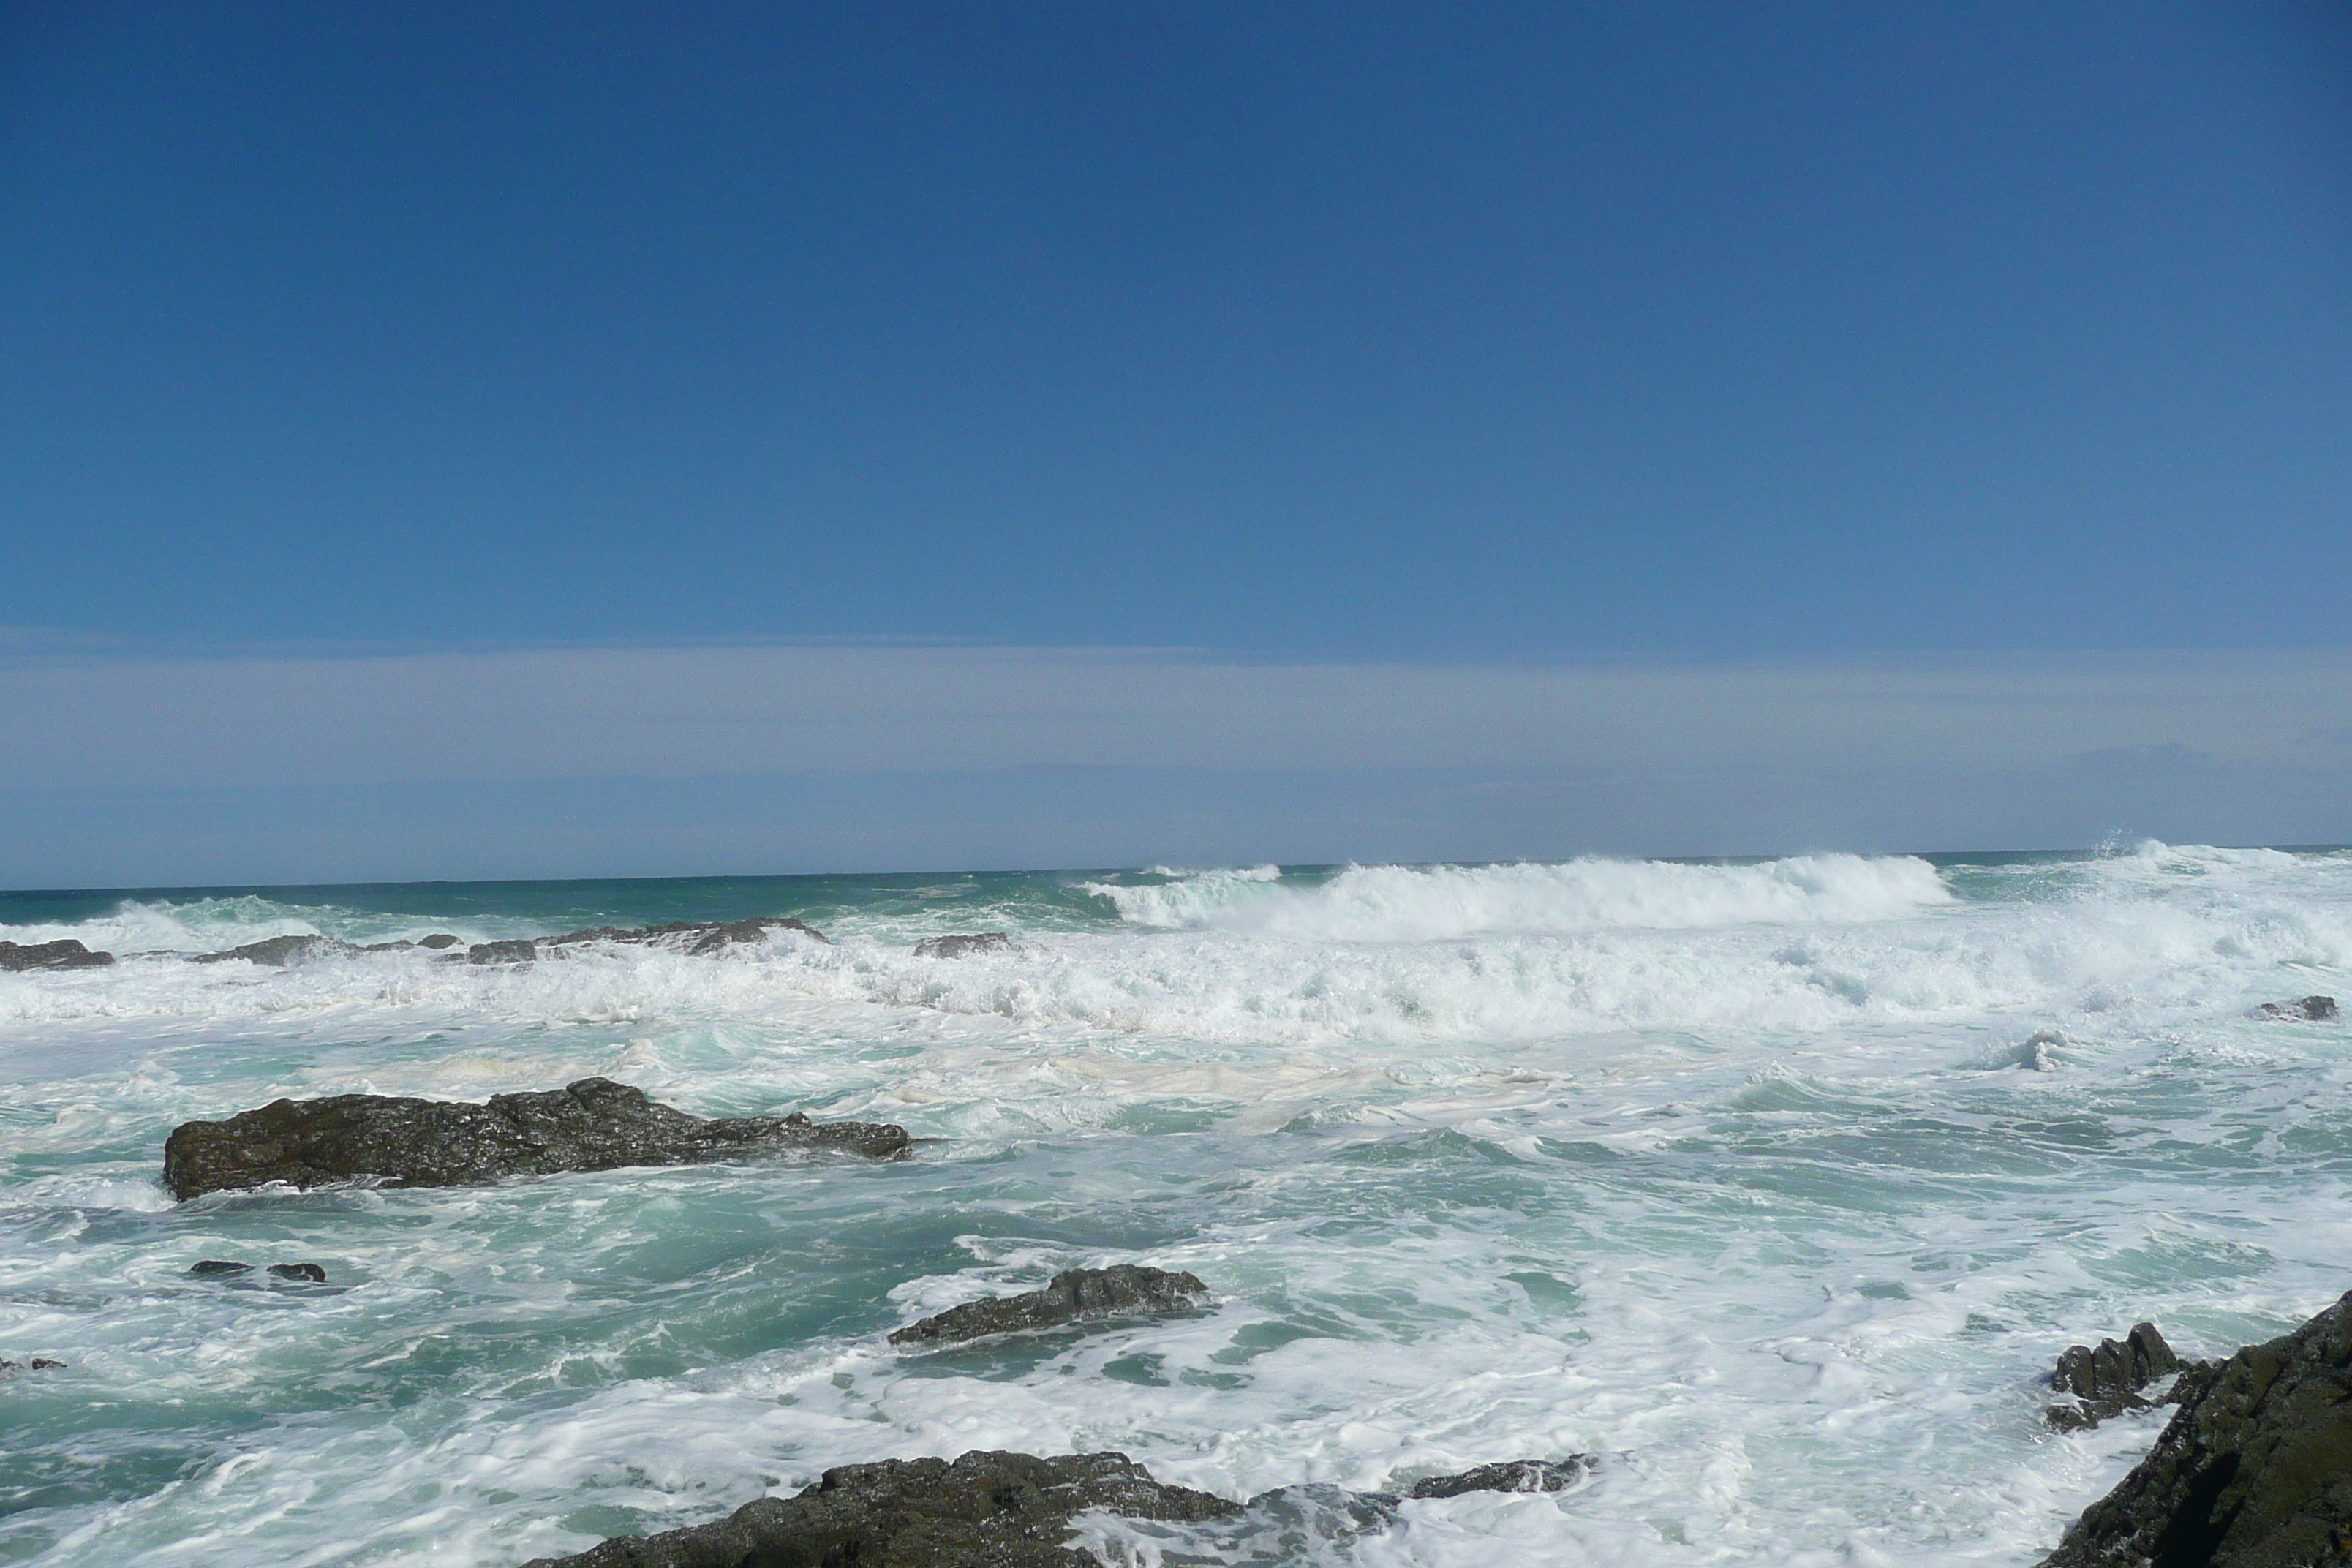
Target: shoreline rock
<point x="2253" y="1471"/>
<point x="2302" y="1010"/>
<point x="1123" y="1291"/>
<point x="695" y="939"/>
<point x="279" y="951"/>
<point x="964" y="946"/>
<point x="2107" y="1381"/>
<point x="593" y="1124"/>
<point x="15" y="958"/>
<point x="996" y="1510"/>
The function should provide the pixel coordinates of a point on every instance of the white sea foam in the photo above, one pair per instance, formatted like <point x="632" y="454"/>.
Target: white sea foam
<point x="1425" y="904"/>
<point x="1728" y="1174"/>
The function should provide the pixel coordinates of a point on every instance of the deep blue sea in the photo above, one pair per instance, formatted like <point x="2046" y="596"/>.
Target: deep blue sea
<point x="1777" y="1185"/>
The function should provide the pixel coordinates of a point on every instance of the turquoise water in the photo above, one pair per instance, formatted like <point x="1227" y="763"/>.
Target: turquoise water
<point x="1730" y="1173"/>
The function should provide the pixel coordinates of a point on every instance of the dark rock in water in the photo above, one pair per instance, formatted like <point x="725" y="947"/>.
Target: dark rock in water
<point x="2255" y="1470"/>
<point x="1517" y="1476"/>
<point x="63" y="953"/>
<point x="594" y="1124"/>
<point x="438" y="940"/>
<point x="215" y="1267"/>
<point x="998" y="1510"/>
<point x="961" y="946"/>
<point x="279" y="951"/>
<point x="2305" y="1009"/>
<point x="2107" y="1381"/>
<point x="1126" y="1289"/>
<point x="521" y="950"/>
<point x="984" y="1511"/>
<point x="695" y="938"/>
<point x="42" y="1363"/>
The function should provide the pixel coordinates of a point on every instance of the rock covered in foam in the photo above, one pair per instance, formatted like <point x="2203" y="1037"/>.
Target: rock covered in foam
<point x="1126" y="1289"/>
<point x="998" y="1510"/>
<point x="593" y="1124"/>
<point x="2254" y="1471"/>
<point x="2302" y="1009"/>
<point x="63" y="953"/>
<point x="1513" y="1475"/>
<point x="281" y="951"/>
<point x="2108" y="1380"/>
<point x="963" y="945"/>
<point x="695" y="938"/>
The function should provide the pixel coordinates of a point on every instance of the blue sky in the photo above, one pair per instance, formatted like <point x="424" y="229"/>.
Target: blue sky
<point x="1382" y="338"/>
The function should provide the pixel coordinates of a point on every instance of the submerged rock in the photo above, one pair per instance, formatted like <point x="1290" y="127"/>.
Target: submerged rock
<point x="63" y="953"/>
<point x="593" y="1124"/>
<point x="2107" y="1381"/>
<point x="281" y="951"/>
<point x="964" y="945"/>
<point x="694" y="938"/>
<point x="215" y="1267"/>
<point x="2302" y="1009"/>
<point x="2254" y="1471"/>
<point x="1126" y="1289"/>
<point x="42" y="1363"/>
<point x="1516" y="1476"/>
<point x="1001" y="1510"/>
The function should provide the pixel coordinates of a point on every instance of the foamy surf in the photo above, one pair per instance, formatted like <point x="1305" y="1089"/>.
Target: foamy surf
<point x="1775" y="1185"/>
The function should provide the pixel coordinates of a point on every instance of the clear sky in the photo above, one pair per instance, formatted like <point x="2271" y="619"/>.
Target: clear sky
<point x="1510" y="337"/>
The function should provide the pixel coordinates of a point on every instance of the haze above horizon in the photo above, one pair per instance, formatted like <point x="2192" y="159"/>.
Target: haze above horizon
<point x="1555" y="356"/>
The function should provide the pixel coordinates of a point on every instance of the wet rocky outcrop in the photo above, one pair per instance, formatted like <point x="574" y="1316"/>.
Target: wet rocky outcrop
<point x="2255" y="1470"/>
<point x="40" y="1363"/>
<point x="694" y="938"/>
<point x="2302" y="1010"/>
<point x="439" y="941"/>
<point x="520" y="950"/>
<point x="593" y="1124"/>
<point x="1123" y="1291"/>
<point x="281" y="951"/>
<point x="2108" y="1380"/>
<point x="1515" y="1476"/>
<point x="63" y="953"/>
<point x="963" y="945"/>
<point x="1003" y="1510"/>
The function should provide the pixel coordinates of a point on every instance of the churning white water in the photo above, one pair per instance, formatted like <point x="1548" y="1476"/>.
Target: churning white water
<point x="1775" y="1186"/>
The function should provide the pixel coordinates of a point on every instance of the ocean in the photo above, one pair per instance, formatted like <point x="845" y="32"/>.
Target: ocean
<point x="1775" y="1186"/>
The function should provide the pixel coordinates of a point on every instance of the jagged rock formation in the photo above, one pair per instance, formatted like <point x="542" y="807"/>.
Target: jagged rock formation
<point x="2107" y="1381"/>
<point x="1124" y="1290"/>
<point x="2254" y="1471"/>
<point x="964" y="945"/>
<point x="63" y="953"/>
<point x="2302" y="1009"/>
<point x="593" y="1124"/>
<point x="989" y="1510"/>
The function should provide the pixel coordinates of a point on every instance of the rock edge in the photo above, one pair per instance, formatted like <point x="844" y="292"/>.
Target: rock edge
<point x="593" y="1124"/>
